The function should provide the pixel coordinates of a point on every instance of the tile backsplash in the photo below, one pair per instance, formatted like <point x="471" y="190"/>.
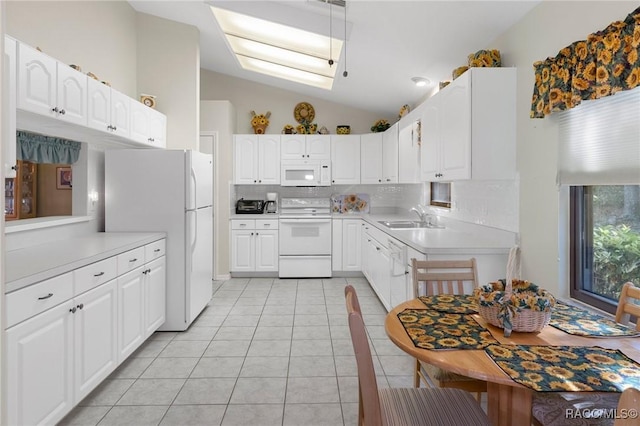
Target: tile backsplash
<point x="489" y="203"/>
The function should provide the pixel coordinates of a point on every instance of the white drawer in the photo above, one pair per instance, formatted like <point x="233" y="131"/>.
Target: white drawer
<point x="154" y="250"/>
<point x="130" y="260"/>
<point x="93" y="275"/>
<point x="37" y="298"/>
<point x="243" y="224"/>
<point x="266" y="224"/>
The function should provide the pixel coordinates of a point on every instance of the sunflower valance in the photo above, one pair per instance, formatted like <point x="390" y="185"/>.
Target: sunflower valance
<point x="605" y="63"/>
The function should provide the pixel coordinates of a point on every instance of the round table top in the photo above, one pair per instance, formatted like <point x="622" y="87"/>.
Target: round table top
<point x="477" y="364"/>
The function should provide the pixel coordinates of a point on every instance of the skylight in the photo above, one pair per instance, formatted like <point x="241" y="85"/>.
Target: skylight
<point x="279" y="50"/>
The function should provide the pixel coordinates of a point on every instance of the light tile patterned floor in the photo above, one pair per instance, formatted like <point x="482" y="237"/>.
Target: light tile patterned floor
<point x="264" y="352"/>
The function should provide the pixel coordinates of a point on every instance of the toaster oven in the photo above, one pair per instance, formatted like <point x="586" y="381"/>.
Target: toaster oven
<point x="249" y="206"/>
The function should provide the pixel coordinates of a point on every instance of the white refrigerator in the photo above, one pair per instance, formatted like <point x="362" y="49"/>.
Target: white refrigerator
<point x="148" y="190"/>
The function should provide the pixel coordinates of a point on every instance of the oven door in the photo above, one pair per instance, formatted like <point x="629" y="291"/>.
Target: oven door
<point x="304" y="236"/>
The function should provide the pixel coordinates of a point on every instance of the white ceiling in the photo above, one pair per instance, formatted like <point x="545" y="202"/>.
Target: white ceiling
<point x="388" y="41"/>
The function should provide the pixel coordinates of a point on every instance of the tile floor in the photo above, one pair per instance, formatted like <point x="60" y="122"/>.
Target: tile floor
<point x="264" y="352"/>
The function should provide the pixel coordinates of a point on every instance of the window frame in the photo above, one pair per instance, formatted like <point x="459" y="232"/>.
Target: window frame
<point x="581" y="249"/>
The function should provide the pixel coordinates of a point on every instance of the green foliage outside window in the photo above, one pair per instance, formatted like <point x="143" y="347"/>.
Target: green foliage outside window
<point x="616" y="259"/>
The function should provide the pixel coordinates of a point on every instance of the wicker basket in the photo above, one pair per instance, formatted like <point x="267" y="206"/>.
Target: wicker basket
<point x="526" y="307"/>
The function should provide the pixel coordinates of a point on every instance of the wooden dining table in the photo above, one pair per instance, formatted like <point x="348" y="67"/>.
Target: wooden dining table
<point x="508" y="403"/>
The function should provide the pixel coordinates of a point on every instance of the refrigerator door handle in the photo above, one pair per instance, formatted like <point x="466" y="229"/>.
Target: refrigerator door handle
<point x="194" y="188"/>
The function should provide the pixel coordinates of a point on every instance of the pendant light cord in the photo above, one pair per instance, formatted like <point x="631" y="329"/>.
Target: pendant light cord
<point x="345" y="73"/>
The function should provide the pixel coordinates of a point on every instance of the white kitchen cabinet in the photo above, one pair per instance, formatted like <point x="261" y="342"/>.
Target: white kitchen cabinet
<point x="409" y="151"/>
<point x="147" y="125"/>
<point x="314" y="147"/>
<point x="65" y="334"/>
<point x="390" y="154"/>
<point x="155" y="295"/>
<point x="351" y="245"/>
<point x="50" y="88"/>
<point x="107" y="109"/>
<point x="345" y="159"/>
<point x="40" y="367"/>
<point x="379" y="157"/>
<point x="468" y="128"/>
<point x="9" y="107"/>
<point x="256" y="159"/>
<point x="254" y="245"/>
<point x="95" y="337"/>
<point x="131" y="329"/>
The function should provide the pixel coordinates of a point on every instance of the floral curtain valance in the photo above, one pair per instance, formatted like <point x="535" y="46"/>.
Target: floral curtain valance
<point x="604" y="64"/>
<point x="46" y="149"/>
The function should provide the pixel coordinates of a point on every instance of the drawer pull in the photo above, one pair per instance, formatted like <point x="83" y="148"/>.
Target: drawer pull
<point x="135" y="259"/>
<point x="45" y="297"/>
<point x="156" y="251"/>
<point x="80" y="306"/>
<point x="98" y="275"/>
<point x="73" y="310"/>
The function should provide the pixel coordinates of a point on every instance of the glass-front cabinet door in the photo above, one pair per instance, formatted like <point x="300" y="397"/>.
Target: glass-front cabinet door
<point x="20" y="192"/>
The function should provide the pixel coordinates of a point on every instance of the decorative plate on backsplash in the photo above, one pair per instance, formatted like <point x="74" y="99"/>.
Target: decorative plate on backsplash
<point x="350" y="203"/>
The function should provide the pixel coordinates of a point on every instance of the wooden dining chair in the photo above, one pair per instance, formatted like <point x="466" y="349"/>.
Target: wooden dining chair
<point x="628" y="305"/>
<point x="403" y="406"/>
<point x="552" y="408"/>
<point x="432" y="277"/>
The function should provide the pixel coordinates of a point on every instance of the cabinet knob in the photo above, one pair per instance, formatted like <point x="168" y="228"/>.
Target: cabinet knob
<point x="255" y="181"/>
<point x="114" y="128"/>
<point x="80" y="306"/>
<point x="333" y="181"/>
<point x="379" y="180"/>
<point x="257" y="233"/>
<point x="14" y="167"/>
<point x="54" y="109"/>
<point x="73" y="310"/>
<point x="260" y="181"/>
<point x="109" y="127"/>
<point x="45" y="297"/>
<point x="63" y="112"/>
<point x="388" y="180"/>
<point x="252" y="233"/>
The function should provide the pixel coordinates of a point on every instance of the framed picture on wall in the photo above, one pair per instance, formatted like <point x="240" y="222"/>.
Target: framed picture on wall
<point x="63" y="178"/>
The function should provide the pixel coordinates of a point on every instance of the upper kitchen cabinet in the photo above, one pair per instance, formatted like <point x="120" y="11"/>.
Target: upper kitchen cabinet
<point x="50" y="88"/>
<point x="345" y="159"/>
<point x="107" y="109"/>
<point x="256" y="159"/>
<point x="9" y="109"/>
<point x="148" y="125"/>
<point x="468" y="128"/>
<point x="379" y="156"/>
<point x="314" y="147"/>
<point x="409" y="136"/>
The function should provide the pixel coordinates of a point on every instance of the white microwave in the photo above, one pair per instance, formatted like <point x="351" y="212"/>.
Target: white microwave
<point x="305" y="173"/>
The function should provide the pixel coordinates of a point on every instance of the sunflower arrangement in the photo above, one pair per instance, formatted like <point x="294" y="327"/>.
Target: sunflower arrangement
<point x="522" y="306"/>
<point x="380" y="126"/>
<point x="260" y="122"/>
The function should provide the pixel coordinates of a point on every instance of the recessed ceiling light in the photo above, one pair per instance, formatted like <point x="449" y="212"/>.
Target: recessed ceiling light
<point x="420" y="81"/>
<point x="279" y="50"/>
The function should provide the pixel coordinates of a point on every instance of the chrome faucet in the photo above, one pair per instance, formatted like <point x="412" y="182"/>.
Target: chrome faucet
<point x="421" y="212"/>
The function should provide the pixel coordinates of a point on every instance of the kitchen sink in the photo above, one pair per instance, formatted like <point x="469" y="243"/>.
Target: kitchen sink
<point x="408" y="224"/>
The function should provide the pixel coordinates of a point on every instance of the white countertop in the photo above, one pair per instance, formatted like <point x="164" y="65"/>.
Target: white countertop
<point x="455" y="235"/>
<point x="33" y="264"/>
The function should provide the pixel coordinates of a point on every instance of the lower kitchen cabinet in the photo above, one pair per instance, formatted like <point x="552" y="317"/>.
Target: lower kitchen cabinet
<point x="66" y="334"/>
<point x="254" y="245"/>
<point x="346" y="254"/>
<point x="131" y="330"/>
<point x="95" y="323"/>
<point x="40" y="360"/>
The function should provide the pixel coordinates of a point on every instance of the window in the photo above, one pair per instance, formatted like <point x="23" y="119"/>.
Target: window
<point x="605" y="242"/>
<point x="440" y="194"/>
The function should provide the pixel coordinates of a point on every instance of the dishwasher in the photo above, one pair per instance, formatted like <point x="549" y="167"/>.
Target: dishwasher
<point x="400" y="272"/>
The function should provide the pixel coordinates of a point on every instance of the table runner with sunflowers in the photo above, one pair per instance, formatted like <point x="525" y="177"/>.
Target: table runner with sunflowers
<point x="566" y="368"/>
<point x="430" y="329"/>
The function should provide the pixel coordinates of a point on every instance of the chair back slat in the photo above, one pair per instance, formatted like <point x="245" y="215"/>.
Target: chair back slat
<point x="431" y="277"/>
<point x="628" y="305"/>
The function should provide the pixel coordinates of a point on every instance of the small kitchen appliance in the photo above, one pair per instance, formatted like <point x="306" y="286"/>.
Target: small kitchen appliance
<point x="249" y="206"/>
<point x="271" y="203"/>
